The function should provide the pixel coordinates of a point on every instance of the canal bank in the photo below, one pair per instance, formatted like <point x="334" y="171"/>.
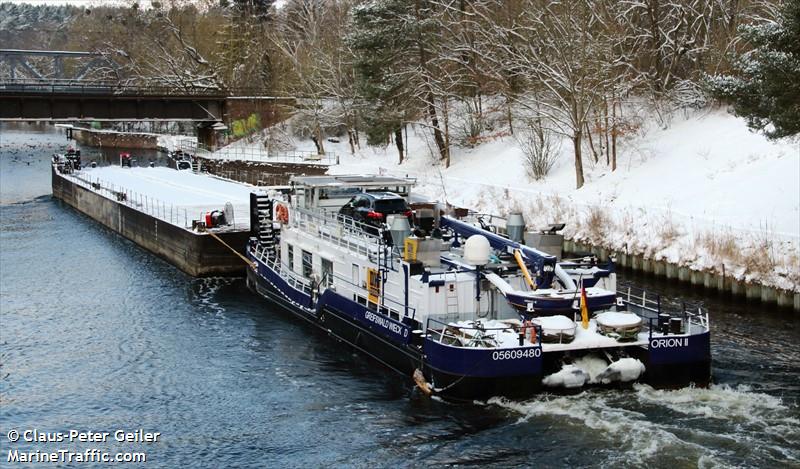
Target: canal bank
<point x="710" y="281"/>
<point x="165" y="231"/>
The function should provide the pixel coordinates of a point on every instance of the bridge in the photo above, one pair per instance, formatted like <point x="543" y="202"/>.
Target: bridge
<point x="74" y="86"/>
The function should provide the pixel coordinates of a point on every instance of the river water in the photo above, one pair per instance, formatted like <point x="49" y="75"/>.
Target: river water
<point x="98" y="335"/>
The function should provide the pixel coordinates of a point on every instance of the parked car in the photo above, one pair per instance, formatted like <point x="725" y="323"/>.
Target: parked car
<point x="372" y="208"/>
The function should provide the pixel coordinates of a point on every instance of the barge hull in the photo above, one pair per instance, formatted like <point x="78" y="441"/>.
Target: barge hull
<point x="198" y="255"/>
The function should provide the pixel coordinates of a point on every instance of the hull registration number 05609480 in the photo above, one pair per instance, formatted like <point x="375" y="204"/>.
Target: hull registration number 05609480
<point x="516" y="354"/>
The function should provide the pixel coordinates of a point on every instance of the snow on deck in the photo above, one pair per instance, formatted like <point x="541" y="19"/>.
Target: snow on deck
<point x="175" y="196"/>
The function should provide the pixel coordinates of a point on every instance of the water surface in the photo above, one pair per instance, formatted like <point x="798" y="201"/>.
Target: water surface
<point x="97" y="334"/>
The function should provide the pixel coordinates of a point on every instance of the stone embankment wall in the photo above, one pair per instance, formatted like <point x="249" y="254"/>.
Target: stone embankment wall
<point x="114" y="139"/>
<point x="260" y="173"/>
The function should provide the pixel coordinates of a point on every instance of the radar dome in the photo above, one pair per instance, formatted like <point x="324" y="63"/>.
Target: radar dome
<point x="477" y="250"/>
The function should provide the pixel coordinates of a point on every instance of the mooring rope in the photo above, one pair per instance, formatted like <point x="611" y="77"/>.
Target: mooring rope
<point x="246" y="260"/>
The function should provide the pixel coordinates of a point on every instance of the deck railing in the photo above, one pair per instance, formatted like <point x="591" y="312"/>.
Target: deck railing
<point x="650" y="305"/>
<point x="153" y="206"/>
<point x="296" y="281"/>
<point x="338" y="229"/>
<point x="441" y="332"/>
<point x="238" y="153"/>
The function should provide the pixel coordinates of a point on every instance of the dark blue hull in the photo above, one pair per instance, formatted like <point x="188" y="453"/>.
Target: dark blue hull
<point x="455" y="372"/>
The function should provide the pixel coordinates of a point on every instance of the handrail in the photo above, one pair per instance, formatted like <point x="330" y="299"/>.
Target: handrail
<point x="141" y="202"/>
<point x="236" y="153"/>
<point x="395" y="302"/>
<point x="691" y="313"/>
<point x="332" y="228"/>
<point x="293" y="279"/>
<point x="447" y="326"/>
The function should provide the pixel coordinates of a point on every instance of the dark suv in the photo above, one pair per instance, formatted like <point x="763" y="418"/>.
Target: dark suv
<point x="372" y="208"/>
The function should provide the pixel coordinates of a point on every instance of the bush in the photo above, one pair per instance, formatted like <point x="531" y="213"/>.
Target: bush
<point x="540" y="147"/>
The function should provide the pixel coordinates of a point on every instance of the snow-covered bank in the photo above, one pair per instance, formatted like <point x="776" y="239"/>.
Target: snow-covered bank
<point x="704" y="192"/>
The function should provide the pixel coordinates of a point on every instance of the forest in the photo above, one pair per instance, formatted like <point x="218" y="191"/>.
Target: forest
<point x="466" y="70"/>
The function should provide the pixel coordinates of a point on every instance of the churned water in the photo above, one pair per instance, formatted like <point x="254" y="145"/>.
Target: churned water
<point x="98" y="335"/>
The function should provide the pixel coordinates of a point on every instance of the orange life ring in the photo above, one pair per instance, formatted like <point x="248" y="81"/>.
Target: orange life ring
<point x="282" y="213"/>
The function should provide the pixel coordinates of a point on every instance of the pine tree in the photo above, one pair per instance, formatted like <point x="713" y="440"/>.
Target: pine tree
<point x="766" y="89"/>
<point x="391" y="40"/>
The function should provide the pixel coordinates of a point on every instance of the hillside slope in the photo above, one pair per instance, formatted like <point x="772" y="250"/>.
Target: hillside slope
<point x="704" y="192"/>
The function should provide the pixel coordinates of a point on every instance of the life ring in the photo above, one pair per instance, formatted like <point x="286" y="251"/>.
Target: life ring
<point x="282" y="213"/>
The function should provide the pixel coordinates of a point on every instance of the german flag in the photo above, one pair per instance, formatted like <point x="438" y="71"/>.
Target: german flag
<point x="584" y="309"/>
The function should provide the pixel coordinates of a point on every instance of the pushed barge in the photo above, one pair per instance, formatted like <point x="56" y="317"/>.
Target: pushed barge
<point x="468" y="311"/>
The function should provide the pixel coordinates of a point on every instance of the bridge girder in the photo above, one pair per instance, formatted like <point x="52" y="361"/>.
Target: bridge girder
<point x="111" y="108"/>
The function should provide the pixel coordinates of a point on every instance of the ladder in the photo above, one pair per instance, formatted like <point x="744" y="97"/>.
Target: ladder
<point x="451" y="296"/>
<point x="266" y="233"/>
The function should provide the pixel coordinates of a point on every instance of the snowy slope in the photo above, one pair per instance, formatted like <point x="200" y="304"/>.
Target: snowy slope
<point x="704" y="192"/>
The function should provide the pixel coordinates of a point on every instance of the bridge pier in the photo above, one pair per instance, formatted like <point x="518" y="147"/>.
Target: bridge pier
<point x="207" y="135"/>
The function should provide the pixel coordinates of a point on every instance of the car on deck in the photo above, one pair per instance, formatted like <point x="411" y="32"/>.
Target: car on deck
<point x="372" y="208"/>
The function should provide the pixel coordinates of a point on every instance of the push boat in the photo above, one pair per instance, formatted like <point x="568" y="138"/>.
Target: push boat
<point x="468" y="310"/>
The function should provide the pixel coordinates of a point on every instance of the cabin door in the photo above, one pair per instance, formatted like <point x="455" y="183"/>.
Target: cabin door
<point x="373" y="285"/>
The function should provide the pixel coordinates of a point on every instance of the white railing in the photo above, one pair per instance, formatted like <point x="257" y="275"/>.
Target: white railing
<point x="294" y="280"/>
<point x="157" y="208"/>
<point x="234" y="152"/>
<point x="337" y="229"/>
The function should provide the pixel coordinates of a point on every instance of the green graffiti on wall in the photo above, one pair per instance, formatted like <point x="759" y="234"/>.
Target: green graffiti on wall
<point x="242" y="127"/>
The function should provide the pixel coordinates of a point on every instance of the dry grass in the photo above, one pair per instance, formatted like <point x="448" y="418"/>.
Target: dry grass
<point x="597" y="225"/>
<point x="721" y="246"/>
<point x="668" y="231"/>
<point x="756" y="254"/>
<point x="760" y="257"/>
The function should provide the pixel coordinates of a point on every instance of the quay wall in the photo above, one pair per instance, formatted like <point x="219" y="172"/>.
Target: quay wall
<point x="260" y="173"/>
<point x="197" y="254"/>
<point x="114" y="139"/>
<point x="710" y="281"/>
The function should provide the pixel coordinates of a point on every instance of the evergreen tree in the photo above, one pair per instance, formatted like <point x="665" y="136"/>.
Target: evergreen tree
<point x="766" y="89"/>
<point x="391" y="40"/>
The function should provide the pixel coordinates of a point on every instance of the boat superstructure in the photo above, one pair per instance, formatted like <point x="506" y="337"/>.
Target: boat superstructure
<point x="473" y="311"/>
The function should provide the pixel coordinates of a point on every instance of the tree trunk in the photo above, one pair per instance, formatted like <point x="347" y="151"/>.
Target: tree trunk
<point x="437" y="132"/>
<point x="317" y="144"/>
<point x="428" y="91"/>
<point x="446" y="134"/>
<point x="577" y="137"/>
<point x="398" y="140"/>
<point x="613" y="135"/>
<point x="351" y="141"/>
<point x="509" y="117"/>
<point x="606" y="129"/>
<point x="317" y="138"/>
<point x="591" y="142"/>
